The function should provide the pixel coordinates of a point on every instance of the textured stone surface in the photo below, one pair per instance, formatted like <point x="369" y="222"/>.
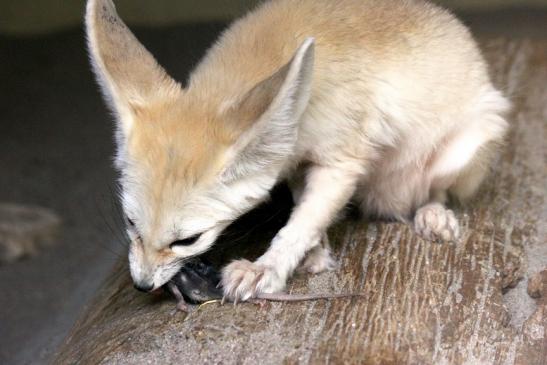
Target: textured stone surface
<point x="537" y="285"/>
<point x="425" y="303"/>
<point x="534" y="330"/>
<point x="23" y="229"/>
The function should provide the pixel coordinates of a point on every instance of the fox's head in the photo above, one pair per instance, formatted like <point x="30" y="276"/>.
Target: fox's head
<point x="189" y="163"/>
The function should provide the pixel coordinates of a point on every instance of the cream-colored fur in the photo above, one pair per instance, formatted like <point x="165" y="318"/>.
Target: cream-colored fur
<point x="388" y="102"/>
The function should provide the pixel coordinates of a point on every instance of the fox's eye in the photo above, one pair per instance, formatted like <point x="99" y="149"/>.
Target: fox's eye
<point x="130" y="223"/>
<point x="186" y="242"/>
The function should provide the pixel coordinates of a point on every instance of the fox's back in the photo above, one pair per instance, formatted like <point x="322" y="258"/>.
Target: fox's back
<point x="354" y="39"/>
<point x="387" y="73"/>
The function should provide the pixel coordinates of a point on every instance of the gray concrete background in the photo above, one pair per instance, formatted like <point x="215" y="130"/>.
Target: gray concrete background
<point x="55" y="148"/>
<point x="34" y="17"/>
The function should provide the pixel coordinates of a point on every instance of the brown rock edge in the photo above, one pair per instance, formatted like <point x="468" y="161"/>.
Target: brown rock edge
<point x="426" y="303"/>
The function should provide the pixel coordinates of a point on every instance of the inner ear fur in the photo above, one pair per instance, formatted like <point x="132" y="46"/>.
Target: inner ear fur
<point x="257" y="101"/>
<point x="270" y="113"/>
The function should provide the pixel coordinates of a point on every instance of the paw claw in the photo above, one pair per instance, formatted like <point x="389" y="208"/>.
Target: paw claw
<point x="243" y="280"/>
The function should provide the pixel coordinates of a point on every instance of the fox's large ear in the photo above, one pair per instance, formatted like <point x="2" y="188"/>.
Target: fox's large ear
<point x="129" y="75"/>
<point x="274" y="106"/>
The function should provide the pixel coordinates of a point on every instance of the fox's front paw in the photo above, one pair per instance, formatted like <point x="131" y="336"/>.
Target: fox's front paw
<point x="243" y="279"/>
<point x="319" y="259"/>
<point x="435" y="222"/>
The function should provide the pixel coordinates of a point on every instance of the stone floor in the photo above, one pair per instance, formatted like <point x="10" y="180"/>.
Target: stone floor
<point x="55" y="143"/>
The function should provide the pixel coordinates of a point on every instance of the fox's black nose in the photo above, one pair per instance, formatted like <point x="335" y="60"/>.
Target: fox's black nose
<point x="143" y="287"/>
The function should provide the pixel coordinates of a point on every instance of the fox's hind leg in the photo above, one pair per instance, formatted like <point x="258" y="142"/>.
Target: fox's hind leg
<point x="435" y="222"/>
<point x="460" y="164"/>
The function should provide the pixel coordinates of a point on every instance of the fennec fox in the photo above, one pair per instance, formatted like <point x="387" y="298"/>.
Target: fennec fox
<point x="387" y="102"/>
